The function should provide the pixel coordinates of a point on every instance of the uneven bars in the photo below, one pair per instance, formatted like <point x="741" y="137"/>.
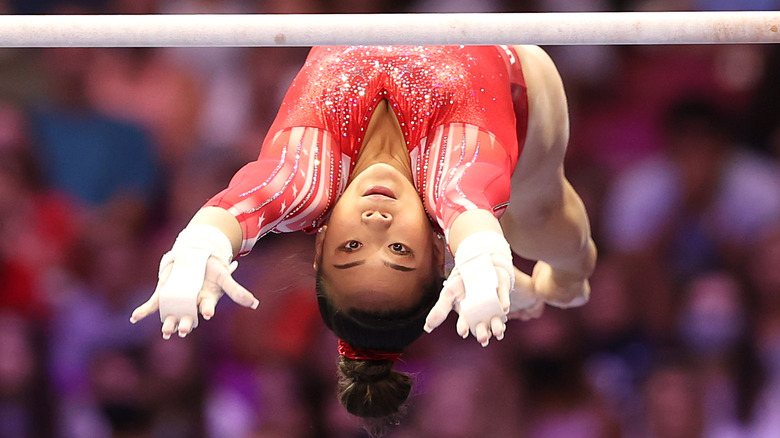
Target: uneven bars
<point x="254" y="30"/>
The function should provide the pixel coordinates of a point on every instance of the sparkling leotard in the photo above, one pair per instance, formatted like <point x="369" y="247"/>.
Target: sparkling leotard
<point x="463" y="114"/>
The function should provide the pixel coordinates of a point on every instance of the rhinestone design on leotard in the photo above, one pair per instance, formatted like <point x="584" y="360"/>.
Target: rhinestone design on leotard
<point x="443" y="97"/>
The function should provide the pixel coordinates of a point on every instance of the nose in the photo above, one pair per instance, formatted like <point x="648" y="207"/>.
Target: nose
<point x="377" y="218"/>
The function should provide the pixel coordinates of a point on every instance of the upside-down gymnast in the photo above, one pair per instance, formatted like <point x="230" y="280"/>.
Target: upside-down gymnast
<point x="393" y="155"/>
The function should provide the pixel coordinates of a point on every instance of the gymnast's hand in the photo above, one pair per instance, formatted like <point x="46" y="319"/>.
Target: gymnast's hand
<point x="526" y="302"/>
<point x="193" y="276"/>
<point x="545" y="286"/>
<point x="559" y="288"/>
<point x="478" y="288"/>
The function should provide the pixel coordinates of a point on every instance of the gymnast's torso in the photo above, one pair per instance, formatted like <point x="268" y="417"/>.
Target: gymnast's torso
<point x="462" y="111"/>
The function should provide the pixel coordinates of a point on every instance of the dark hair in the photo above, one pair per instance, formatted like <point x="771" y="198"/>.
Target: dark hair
<point x="371" y="388"/>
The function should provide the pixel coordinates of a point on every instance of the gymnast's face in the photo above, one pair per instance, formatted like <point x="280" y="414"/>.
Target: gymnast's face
<point x="378" y="249"/>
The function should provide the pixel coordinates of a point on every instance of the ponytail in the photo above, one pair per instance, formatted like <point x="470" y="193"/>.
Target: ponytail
<point x="371" y="389"/>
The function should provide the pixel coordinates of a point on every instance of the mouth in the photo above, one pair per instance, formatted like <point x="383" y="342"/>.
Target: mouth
<point x="379" y="191"/>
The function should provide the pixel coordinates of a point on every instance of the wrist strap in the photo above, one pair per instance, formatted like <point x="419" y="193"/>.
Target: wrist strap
<point x="206" y="237"/>
<point x="482" y="242"/>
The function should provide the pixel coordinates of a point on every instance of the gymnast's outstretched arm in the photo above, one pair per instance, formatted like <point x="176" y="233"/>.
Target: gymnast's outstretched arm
<point x="197" y="272"/>
<point x="546" y="219"/>
<point x="261" y="197"/>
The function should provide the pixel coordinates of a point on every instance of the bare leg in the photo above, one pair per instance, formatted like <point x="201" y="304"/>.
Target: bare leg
<point x="546" y="219"/>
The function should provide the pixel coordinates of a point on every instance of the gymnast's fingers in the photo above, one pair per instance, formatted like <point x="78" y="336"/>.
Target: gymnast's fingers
<point x="153" y="303"/>
<point x="145" y="309"/>
<point x="522" y="295"/>
<point x="185" y="325"/>
<point x="236" y="292"/>
<point x="498" y="327"/>
<point x="503" y="289"/>
<point x="482" y="334"/>
<point x="207" y="305"/>
<point x="462" y="327"/>
<point x="445" y="303"/>
<point x="169" y="326"/>
<point x="439" y="312"/>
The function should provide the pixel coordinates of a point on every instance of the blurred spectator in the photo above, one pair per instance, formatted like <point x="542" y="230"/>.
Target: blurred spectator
<point x="559" y="399"/>
<point x="714" y="193"/>
<point x="699" y="204"/>
<point x="86" y="154"/>
<point x="715" y="333"/>
<point x="90" y="315"/>
<point x="767" y="422"/>
<point x="172" y="390"/>
<point x="24" y="399"/>
<point x="619" y="351"/>
<point x="37" y="227"/>
<point x="712" y="317"/>
<point x="221" y="74"/>
<point x="762" y="120"/>
<point x="765" y="278"/>
<point x="462" y="398"/>
<point x="763" y="274"/>
<point x="143" y="87"/>
<point x="116" y="383"/>
<point x="673" y="402"/>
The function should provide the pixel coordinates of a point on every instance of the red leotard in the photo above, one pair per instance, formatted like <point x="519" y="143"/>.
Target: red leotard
<point x="463" y="111"/>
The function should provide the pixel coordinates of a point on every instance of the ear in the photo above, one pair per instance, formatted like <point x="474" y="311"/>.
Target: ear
<point x="318" y="244"/>
<point x="439" y="250"/>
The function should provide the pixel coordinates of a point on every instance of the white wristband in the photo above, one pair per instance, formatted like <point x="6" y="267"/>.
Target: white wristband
<point x="205" y="237"/>
<point x="482" y="242"/>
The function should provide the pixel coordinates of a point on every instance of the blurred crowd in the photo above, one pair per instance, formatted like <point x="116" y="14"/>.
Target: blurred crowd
<point x="105" y="154"/>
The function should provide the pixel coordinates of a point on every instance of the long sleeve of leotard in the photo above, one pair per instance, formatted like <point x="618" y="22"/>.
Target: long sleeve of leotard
<point x="469" y="166"/>
<point x="290" y="187"/>
<point x="467" y="169"/>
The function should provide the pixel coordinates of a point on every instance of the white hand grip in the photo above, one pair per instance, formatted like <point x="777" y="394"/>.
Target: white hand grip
<point x="481" y="303"/>
<point x="179" y="295"/>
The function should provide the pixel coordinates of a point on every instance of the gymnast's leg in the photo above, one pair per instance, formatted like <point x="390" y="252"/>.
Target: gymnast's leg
<point x="546" y="219"/>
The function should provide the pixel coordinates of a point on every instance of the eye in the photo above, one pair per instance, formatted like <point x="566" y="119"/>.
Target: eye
<point x="350" y="246"/>
<point x="399" y="248"/>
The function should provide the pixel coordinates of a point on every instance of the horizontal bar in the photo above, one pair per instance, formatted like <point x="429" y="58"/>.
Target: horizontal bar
<point x="254" y="30"/>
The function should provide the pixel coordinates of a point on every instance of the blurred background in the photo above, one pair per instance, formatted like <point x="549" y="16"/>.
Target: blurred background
<point x="105" y="154"/>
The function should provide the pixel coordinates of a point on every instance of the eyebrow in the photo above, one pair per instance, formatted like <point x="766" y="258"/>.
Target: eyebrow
<point x="386" y="263"/>
<point x="350" y="264"/>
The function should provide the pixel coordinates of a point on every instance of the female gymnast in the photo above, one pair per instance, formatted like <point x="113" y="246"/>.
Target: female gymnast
<point x="394" y="155"/>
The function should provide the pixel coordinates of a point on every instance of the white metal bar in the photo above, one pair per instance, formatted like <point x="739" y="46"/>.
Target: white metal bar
<point x="594" y="28"/>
